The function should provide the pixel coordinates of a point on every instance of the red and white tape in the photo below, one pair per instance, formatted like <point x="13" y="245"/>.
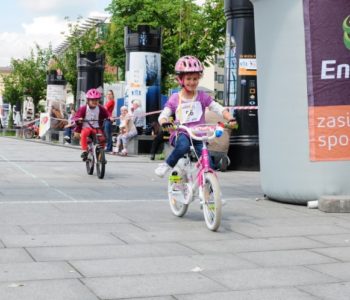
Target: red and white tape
<point x="243" y="107"/>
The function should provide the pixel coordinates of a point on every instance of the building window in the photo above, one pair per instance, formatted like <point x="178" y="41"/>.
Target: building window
<point x="220" y="95"/>
<point x="220" y="78"/>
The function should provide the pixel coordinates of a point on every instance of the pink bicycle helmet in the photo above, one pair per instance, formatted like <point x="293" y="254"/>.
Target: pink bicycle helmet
<point x="93" y="94"/>
<point x="188" y="64"/>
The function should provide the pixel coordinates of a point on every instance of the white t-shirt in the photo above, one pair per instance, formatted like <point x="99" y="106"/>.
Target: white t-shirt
<point x="92" y="114"/>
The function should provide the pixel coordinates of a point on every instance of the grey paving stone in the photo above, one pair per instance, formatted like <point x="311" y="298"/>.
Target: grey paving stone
<point x="14" y="256"/>
<point x="278" y="230"/>
<point x="339" y="291"/>
<point x="159" y="265"/>
<point x="262" y="294"/>
<point x="177" y="224"/>
<point x="24" y="218"/>
<point x="305" y="220"/>
<point x="339" y="253"/>
<point x="333" y="239"/>
<point x="150" y="285"/>
<point x="45" y="290"/>
<point x="286" y="258"/>
<point x="246" y="245"/>
<point x="119" y="228"/>
<point x="11" y="229"/>
<point x="268" y="277"/>
<point x="337" y="270"/>
<point x="334" y="203"/>
<point x="176" y="236"/>
<point x="154" y="298"/>
<point x="59" y="240"/>
<point x="109" y="251"/>
<point x="262" y="209"/>
<point x="12" y="208"/>
<point x="36" y="271"/>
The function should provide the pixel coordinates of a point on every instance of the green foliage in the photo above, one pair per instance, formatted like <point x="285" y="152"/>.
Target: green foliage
<point x="79" y="42"/>
<point x="28" y="77"/>
<point x="186" y="29"/>
<point x="10" y="120"/>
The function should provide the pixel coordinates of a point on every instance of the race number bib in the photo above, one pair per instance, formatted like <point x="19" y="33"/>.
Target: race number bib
<point x="189" y="112"/>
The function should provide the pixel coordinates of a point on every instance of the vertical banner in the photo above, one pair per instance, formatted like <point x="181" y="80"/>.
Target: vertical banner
<point x="230" y="70"/>
<point x="56" y="104"/>
<point x="327" y="39"/>
<point x="45" y="124"/>
<point x="144" y="80"/>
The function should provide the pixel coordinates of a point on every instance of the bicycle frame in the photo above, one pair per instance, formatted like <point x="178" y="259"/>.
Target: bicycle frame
<point x="203" y="164"/>
<point x="95" y="153"/>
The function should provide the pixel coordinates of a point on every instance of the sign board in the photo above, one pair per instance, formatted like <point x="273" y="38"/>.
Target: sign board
<point x="327" y="38"/>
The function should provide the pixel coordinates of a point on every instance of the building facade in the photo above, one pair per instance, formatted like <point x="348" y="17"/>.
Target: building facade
<point x="213" y="78"/>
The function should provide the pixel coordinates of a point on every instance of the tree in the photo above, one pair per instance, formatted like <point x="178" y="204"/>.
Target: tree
<point x="186" y="29"/>
<point x="28" y="77"/>
<point x="79" y="41"/>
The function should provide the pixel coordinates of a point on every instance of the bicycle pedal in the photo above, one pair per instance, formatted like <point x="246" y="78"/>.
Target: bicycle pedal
<point x="211" y="206"/>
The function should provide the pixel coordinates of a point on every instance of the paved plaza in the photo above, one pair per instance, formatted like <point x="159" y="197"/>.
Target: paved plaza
<point x="65" y="235"/>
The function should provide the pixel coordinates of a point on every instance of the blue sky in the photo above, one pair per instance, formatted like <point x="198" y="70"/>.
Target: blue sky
<point x="24" y="22"/>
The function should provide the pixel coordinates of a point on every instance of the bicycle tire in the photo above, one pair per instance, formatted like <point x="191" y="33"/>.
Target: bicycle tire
<point x="178" y="208"/>
<point x="28" y="134"/>
<point x="100" y="163"/>
<point x="90" y="163"/>
<point x="212" y="205"/>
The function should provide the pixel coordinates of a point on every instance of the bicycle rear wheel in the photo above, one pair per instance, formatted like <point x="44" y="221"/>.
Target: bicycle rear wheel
<point x="177" y="193"/>
<point x="100" y="163"/>
<point x="212" y="205"/>
<point x="90" y="163"/>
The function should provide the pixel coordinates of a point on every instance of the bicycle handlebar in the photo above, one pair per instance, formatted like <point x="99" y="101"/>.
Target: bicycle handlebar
<point x="200" y="129"/>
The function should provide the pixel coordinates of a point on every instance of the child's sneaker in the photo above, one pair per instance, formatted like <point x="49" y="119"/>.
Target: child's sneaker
<point x="124" y="152"/>
<point x="162" y="169"/>
<point x="84" y="155"/>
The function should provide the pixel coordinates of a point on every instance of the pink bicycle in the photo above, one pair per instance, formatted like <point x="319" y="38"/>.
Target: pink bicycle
<point x="191" y="180"/>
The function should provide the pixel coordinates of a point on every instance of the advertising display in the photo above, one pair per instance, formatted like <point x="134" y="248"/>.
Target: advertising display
<point x="56" y="104"/>
<point x="56" y="97"/>
<point x="240" y="85"/>
<point x="143" y="80"/>
<point x="45" y="124"/>
<point x="327" y="38"/>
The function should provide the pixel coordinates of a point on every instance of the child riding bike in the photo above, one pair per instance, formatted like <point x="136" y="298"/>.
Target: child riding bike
<point x="89" y="119"/>
<point x="189" y="108"/>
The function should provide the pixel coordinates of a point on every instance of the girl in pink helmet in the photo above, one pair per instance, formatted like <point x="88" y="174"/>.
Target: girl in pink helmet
<point x="94" y="114"/>
<point x="188" y="106"/>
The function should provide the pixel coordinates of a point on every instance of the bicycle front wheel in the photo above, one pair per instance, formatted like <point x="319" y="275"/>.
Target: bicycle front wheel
<point x="90" y="163"/>
<point x="212" y="205"/>
<point x="177" y="193"/>
<point x="100" y="163"/>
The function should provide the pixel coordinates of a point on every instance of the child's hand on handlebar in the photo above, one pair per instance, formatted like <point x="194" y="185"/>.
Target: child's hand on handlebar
<point x="78" y="121"/>
<point x="232" y="124"/>
<point x="166" y="126"/>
